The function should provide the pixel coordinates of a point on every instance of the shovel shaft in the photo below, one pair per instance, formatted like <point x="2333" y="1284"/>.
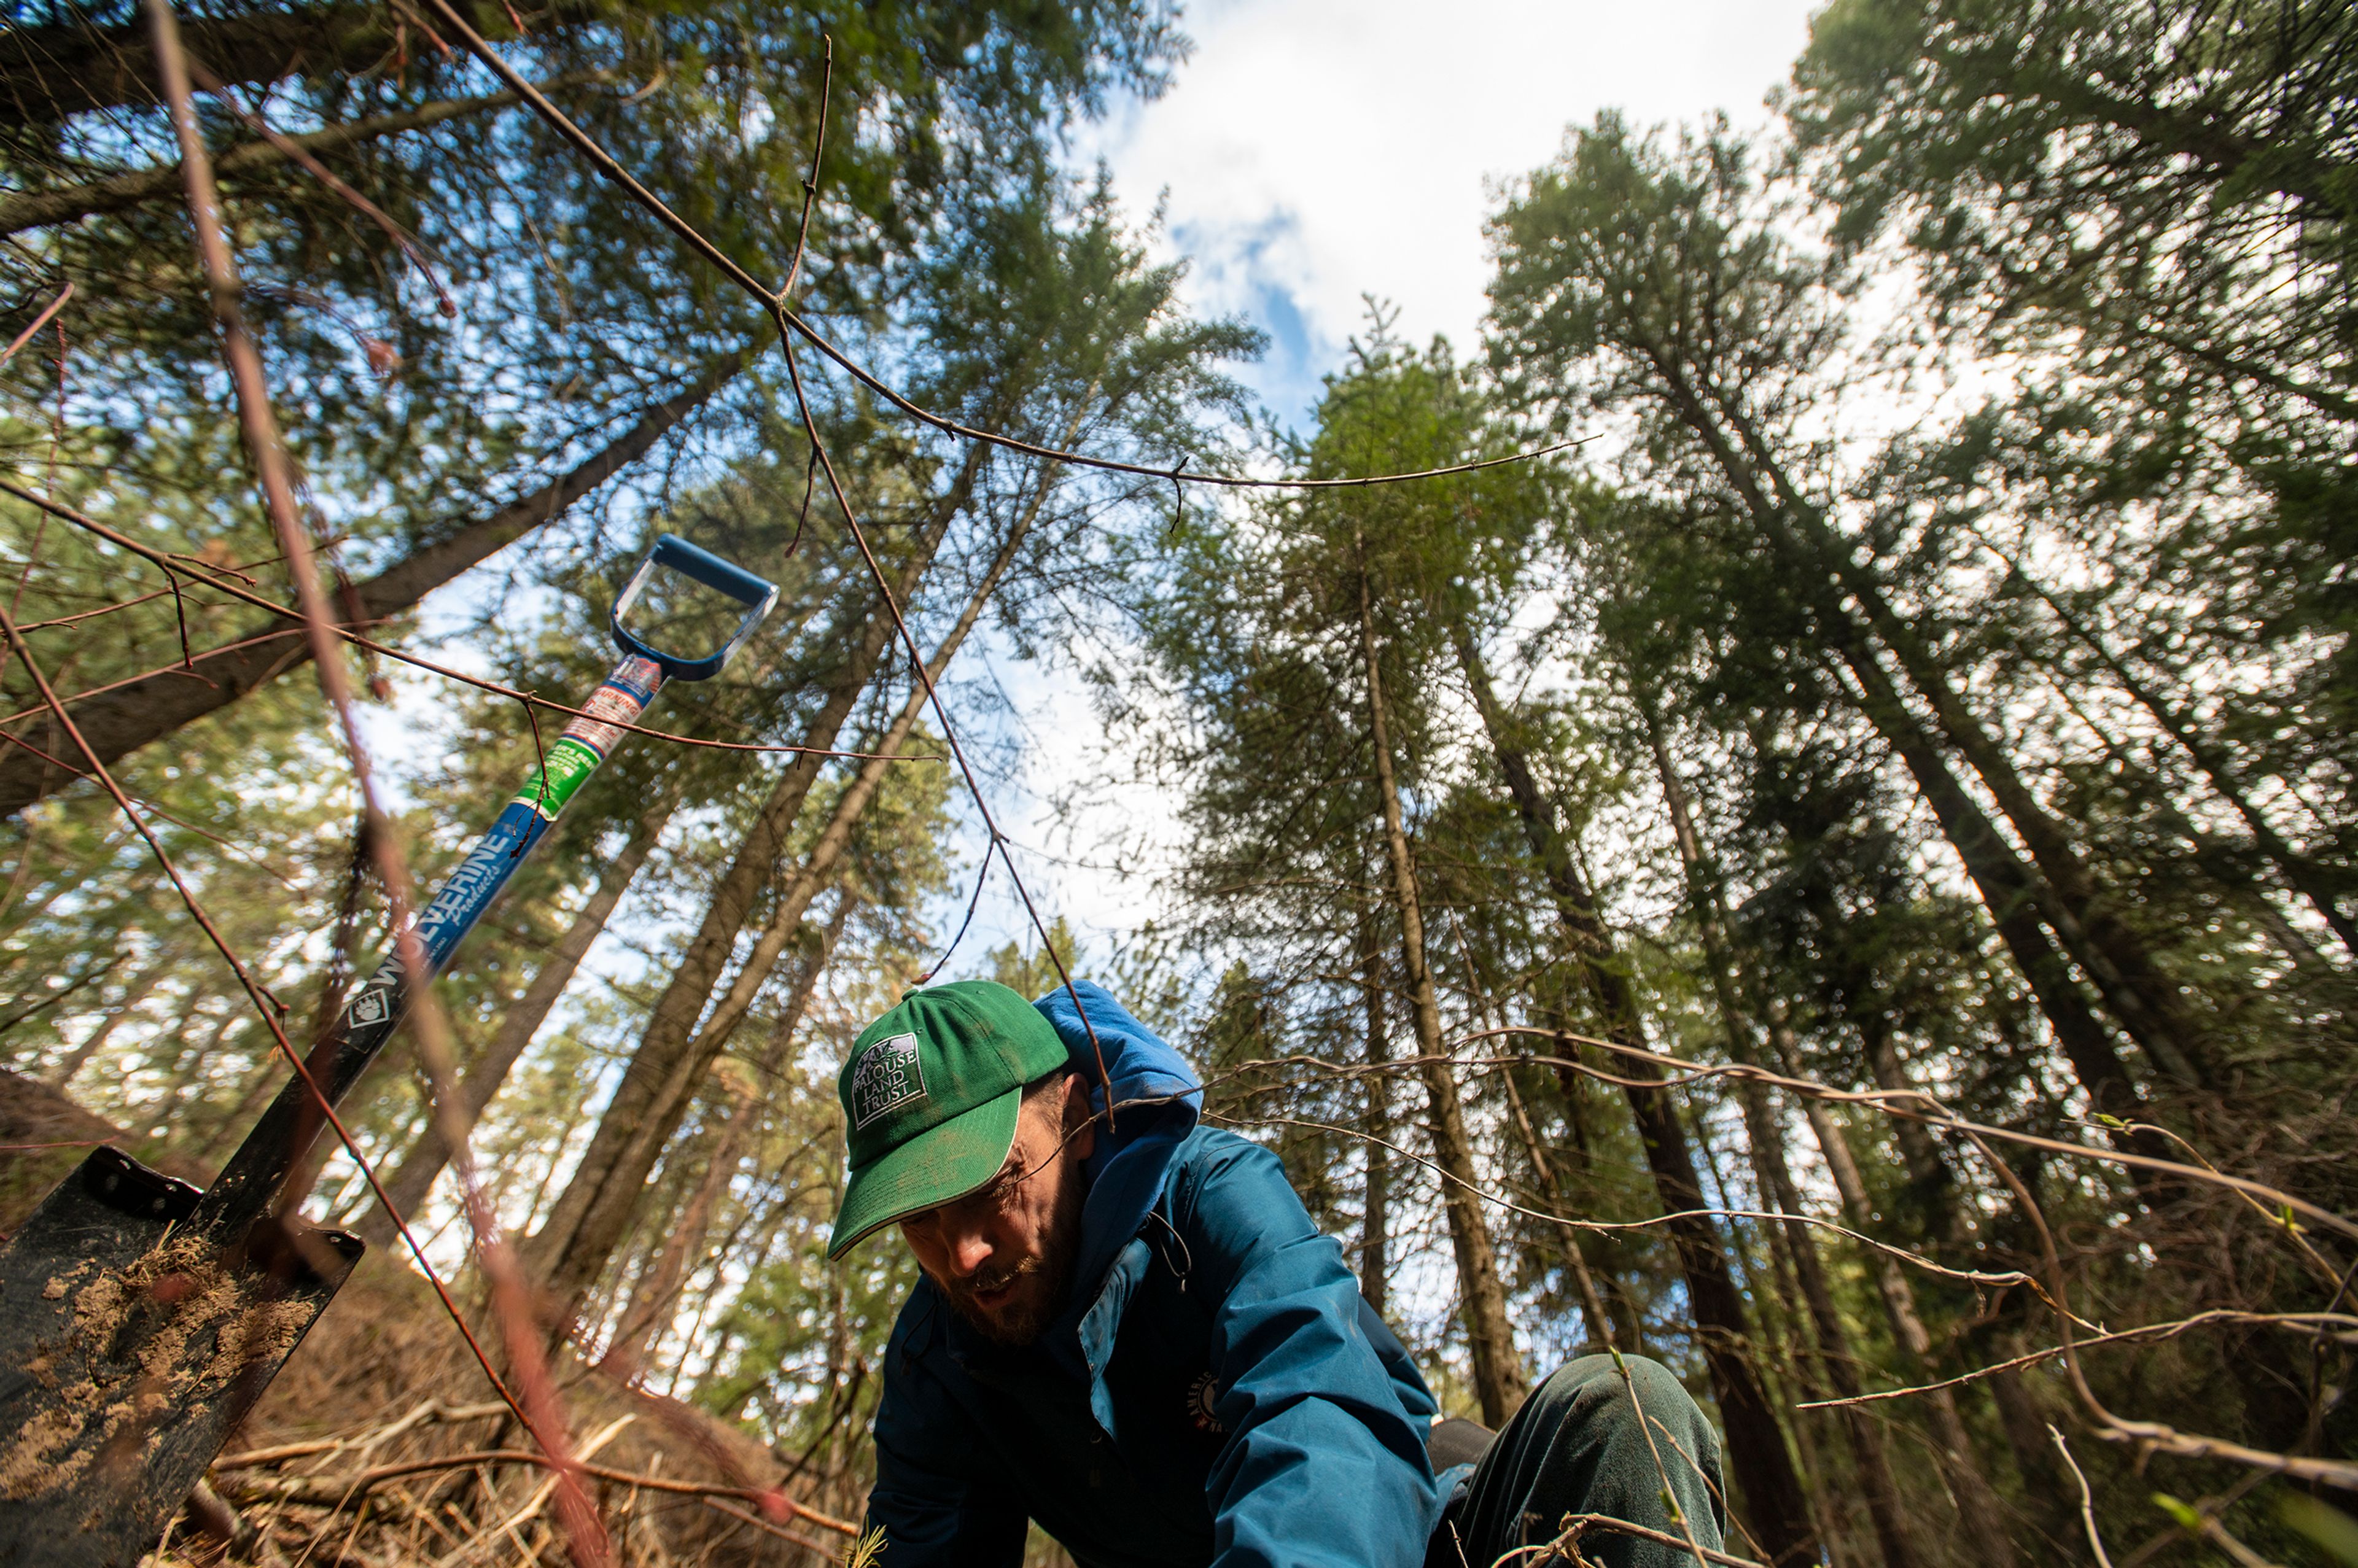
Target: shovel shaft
<point x="248" y="1185"/>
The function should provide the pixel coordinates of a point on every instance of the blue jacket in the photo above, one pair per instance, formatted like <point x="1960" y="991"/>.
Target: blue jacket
<point x="1217" y="1391"/>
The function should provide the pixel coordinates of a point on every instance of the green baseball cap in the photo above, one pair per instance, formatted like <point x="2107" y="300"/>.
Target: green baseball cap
<point x="930" y="1094"/>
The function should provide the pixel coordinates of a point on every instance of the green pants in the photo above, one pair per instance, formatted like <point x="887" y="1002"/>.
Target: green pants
<point x="1580" y="1446"/>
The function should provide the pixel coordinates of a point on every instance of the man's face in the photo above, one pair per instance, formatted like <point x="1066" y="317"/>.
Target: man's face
<point x="1003" y="1255"/>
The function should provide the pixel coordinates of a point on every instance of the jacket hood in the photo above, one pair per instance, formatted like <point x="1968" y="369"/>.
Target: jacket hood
<point x="1156" y="1099"/>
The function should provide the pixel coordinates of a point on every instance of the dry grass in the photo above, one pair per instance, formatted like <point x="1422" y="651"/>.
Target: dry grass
<point x="381" y="1445"/>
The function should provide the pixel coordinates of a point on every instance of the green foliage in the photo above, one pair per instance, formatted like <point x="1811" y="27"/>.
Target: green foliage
<point x="1024" y="966"/>
<point x="2155" y="205"/>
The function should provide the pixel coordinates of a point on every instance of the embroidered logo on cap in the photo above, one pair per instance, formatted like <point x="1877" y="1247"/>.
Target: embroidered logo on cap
<point x="888" y="1075"/>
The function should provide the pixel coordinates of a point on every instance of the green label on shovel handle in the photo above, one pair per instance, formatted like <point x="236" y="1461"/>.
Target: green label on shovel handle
<point x="547" y="788"/>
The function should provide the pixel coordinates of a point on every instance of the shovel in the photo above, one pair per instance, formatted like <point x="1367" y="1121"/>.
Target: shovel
<point x="141" y="1318"/>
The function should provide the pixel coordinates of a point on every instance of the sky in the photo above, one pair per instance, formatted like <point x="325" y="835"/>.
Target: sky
<point x="1313" y="153"/>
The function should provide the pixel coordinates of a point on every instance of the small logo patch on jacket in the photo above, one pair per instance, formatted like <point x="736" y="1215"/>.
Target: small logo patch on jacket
<point x="1203" y="1395"/>
<point x="888" y="1075"/>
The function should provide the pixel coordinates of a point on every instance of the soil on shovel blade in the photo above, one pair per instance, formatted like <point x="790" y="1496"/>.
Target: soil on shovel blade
<point x="192" y="1329"/>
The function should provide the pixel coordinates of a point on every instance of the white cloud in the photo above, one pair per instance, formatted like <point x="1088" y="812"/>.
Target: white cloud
<point x="1314" y="151"/>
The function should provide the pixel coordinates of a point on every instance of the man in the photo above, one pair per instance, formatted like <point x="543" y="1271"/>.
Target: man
<point x="1129" y="1330"/>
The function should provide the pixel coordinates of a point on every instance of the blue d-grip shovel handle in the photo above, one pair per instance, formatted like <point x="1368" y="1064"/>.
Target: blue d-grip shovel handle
<point x="697" y="565"/>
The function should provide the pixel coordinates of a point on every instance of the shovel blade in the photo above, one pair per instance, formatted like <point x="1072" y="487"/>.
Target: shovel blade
<point x="130" y="1346"/>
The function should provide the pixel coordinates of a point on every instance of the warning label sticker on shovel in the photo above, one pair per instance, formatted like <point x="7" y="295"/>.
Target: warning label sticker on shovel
<point x="586" y="741"/>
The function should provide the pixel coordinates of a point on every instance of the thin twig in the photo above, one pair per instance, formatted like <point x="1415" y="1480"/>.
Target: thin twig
<point x="1669" y="1493"/>
<point x="39" y="321"/>
<point x="2320" y="1322"/>
<point x="1575" y="1525"/>
<point x="2087" y="1499"/>
<point x="341" y="1491"/>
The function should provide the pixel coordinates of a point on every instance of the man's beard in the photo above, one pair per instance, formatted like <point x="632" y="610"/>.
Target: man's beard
<point x="1051" y="1268"/>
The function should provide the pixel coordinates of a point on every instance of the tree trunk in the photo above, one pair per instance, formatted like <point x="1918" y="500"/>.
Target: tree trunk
<point x="1775" y="1357"/>
<point x="2006" y="891"/>
<point x="1375" y="1225"/>
<point x="1926" y="1173"/>
<point x="2146" y="1002"/>
<point x="2221" y="857"/>
<point x="1755" y="1443"/>
<point x="2300" y="873"/>
<point x="415" y="1177"/>
<point x="603" y="1226"/>
<point x="1979" y="1509"/>
<point x="1497" y="1367"/>
<point x="1628" y="1314"/>
<point x="1829" y="1500"/>
<point x="656" y="1294"/>
<point x="2064" y="892"/>
<point x="2045" y="1485"/>
<point x="657" y="1291"/>
<point x="576" y="1113"/>
<point x="1602" y="1329"/>
<point x="1834" y="1354"/>
<point x="2113" y="957"/>
<point x="121" y="721"/>
<point x="595" y="1211"/>
<point x="1576" y="1262"/>
<point x="145" y="981"/>
<point x="835" y="839"/>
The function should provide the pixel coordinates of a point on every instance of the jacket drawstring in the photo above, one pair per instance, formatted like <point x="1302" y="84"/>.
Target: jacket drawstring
<point x="1188" y="1258"/>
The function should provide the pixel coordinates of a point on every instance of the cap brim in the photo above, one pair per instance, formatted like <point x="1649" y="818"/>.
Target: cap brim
<point x="938" y="1165"/>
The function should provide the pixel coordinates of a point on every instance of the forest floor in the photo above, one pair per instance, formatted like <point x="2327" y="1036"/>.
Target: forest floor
<point x="382" y="1444"/>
